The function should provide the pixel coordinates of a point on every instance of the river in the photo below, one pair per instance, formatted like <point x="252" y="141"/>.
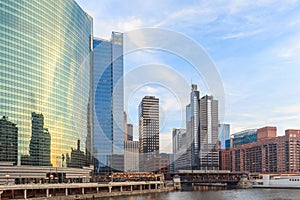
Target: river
<point x="250" y="194"/>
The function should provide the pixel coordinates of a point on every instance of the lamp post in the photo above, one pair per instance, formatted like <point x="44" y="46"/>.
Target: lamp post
<point x="51" y="177"/>
<point x="7" y="177"/>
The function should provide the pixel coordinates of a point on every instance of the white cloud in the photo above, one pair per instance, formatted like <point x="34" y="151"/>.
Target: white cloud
<point x="242" y="34"/>
<point x="130" y="23"/>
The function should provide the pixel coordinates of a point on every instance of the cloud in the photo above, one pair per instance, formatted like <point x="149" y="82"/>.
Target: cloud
<point x="241" y="34"/>
<point x="130" y="23"/>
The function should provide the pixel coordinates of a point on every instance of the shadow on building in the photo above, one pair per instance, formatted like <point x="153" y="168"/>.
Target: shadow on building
<point x="40" y="142"/>
<point x="8" y="141"/>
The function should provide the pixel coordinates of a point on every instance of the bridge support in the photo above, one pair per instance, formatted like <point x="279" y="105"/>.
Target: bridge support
<point x="47" y="193"/>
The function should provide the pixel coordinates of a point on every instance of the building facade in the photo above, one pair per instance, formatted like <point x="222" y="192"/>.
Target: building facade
<point x="45" y="68"/>
<point x="224" y="134"/>
<point x="179" y="138"/>
<point x="269" y="154"/>
<point x="192" y="129"/>
<point x="148" y="130"/>
<point x="158" y="165"/>
<point x="209" y="152"/>
<point x="244" y="137"/>
<point x="109" y="109"/>
<point x="131" y="156"/>
<point x="130" y="132"/>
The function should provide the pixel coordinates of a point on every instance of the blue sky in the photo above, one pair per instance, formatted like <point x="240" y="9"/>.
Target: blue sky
<point x="255" y="46"/>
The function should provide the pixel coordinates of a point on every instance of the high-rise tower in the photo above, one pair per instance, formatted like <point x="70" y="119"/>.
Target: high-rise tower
<point x="109" y="108"/>
<point x="45" y="68"/>
<point x="209" y="152"/>
<point x="192" y="125"/>
<point x="148" y="129"/>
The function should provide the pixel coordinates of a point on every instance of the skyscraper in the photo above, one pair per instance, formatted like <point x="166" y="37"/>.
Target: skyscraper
<point x="39" y="148"/>
<point x="129" y="132"/>
<point x="192" y="124"/>
<point x="224" y="134"/>
<point x="109" y="109"/>
<point x="8" y="141"/>
<point x="45" y="68"/>
<point x="148" y="129"/>
<point x="209" y="153"/>
<point x="180" y="159"/>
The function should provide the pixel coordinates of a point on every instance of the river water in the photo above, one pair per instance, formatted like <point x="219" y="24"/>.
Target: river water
<point x="250" y="194"/>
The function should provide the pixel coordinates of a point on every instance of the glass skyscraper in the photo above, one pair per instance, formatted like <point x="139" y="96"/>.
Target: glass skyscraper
<point x="45" y="69"/>
<point x="192" y="125"/>
<point x="209" y="117"/>
<point x="109" y="108"/>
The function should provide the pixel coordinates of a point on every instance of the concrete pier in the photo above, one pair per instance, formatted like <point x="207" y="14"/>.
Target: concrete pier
<point x="68" y="191"/>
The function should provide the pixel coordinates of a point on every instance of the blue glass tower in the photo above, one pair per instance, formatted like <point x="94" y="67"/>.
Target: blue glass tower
<point x="224" y="134"/>
<point x="109" y="108"/>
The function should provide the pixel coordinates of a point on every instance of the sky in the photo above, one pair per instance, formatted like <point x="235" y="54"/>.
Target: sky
<point x="255" y="46"/>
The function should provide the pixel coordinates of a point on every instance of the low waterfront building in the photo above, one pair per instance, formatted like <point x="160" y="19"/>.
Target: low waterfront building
<point x="12" y="174"/>
<point x="269" y="154"/>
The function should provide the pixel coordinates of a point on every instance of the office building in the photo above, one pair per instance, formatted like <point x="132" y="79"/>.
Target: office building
<point x="148" y="129"/>
<point x="224" y="134"/>
<point x="209" y="152"/>
<point x="8" y="141"/>
<point x="170" y="157"/>
<point x="192" y="129"/>
<point x="129" y="132"/>
<point x="179" y="138"/>
<point x="40" y="143"/>
<point x="158" y="165"/>
<point x="45" y="68"/>
<point x="244" y="137"/>
<point x="109" y="110"/>
<point x="131" y="156"/>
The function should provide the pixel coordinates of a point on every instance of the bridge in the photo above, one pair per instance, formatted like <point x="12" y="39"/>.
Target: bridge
<point x="207" y="176"/>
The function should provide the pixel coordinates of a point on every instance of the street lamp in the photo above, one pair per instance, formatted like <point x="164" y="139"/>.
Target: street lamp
<point x="7" y="177"/>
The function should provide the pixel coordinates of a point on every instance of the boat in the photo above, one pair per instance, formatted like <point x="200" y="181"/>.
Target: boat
<point x="278" y="182"/>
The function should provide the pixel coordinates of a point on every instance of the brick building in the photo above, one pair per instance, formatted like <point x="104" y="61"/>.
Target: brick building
<point x="269" y="154"/>
<point x="158" y="165"/>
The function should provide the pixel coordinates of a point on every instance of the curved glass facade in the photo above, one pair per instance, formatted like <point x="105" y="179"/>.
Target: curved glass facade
<point x="45" y="79"/>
